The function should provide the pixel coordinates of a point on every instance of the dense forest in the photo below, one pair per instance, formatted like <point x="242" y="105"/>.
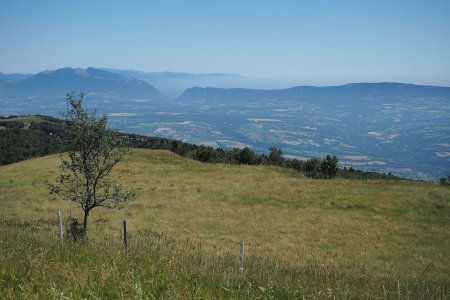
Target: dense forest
<point x="21" y="140"/>
<point x="24" y="137"/>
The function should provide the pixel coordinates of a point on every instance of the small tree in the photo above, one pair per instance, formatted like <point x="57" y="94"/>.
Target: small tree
<point x="330" y="166"/>
<point x="247" y="156"/>
<point x="93" y="150"/>
<point x="276" y="156"/>
<point x="313" y="168"/>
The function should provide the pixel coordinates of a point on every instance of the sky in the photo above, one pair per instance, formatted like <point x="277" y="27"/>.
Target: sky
<point x="312" y="42"/>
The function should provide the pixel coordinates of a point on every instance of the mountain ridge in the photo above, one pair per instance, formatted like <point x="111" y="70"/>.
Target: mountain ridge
<point x="89" y="80"/>
<point x="381" y="89"/>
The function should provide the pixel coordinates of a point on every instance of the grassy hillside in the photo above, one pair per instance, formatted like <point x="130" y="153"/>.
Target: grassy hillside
<point x="24" y="119"/>
<point x="388" y="232"/>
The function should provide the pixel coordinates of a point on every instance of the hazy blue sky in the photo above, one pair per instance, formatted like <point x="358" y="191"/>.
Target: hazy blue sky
<point x="315" y="42"/>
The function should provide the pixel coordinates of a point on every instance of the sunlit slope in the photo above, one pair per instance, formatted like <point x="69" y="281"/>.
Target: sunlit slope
<point x="379" y="224"/>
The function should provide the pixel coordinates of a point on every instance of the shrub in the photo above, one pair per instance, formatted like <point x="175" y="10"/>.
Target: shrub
<point x="76" y="232"/>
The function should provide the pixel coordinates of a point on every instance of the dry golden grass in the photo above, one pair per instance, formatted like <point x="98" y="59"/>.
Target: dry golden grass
<point x="383" y="225"/>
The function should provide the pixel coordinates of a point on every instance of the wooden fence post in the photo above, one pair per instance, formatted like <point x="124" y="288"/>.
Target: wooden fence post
<point x="60" y="227"/>
<point x="241" y="257"/>
<point x="125" y="233"/>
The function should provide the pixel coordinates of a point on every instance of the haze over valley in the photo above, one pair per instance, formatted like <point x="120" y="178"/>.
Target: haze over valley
<point x="384" y="127"/>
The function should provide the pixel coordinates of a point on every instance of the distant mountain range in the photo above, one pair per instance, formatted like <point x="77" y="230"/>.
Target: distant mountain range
<point x="348" y="93"/>
<point x="174" y="83"/>
<point x="13" y="77"/>
<point x="213" y="87"/>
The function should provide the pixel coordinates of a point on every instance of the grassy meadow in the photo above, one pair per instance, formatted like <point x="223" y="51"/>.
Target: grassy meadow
<point x="304" y="238"/>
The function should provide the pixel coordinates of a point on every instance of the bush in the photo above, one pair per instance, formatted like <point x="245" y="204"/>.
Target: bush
<point x="445" y="180"/>
<point x="75" y="231"/>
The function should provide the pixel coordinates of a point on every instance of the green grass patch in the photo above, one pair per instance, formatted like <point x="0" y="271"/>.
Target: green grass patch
<point x="24" y="120"/>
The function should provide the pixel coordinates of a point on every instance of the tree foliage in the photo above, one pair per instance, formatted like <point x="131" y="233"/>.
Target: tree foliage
<point x="93" y="150"/>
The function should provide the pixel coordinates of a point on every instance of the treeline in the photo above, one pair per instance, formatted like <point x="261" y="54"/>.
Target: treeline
<point x="19" y="142"/>
<point x="350" y="173"/>
<point x="326" y="168"/>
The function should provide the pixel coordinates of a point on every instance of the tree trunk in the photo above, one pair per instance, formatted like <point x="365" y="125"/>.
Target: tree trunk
<point x="85" y="223"/>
